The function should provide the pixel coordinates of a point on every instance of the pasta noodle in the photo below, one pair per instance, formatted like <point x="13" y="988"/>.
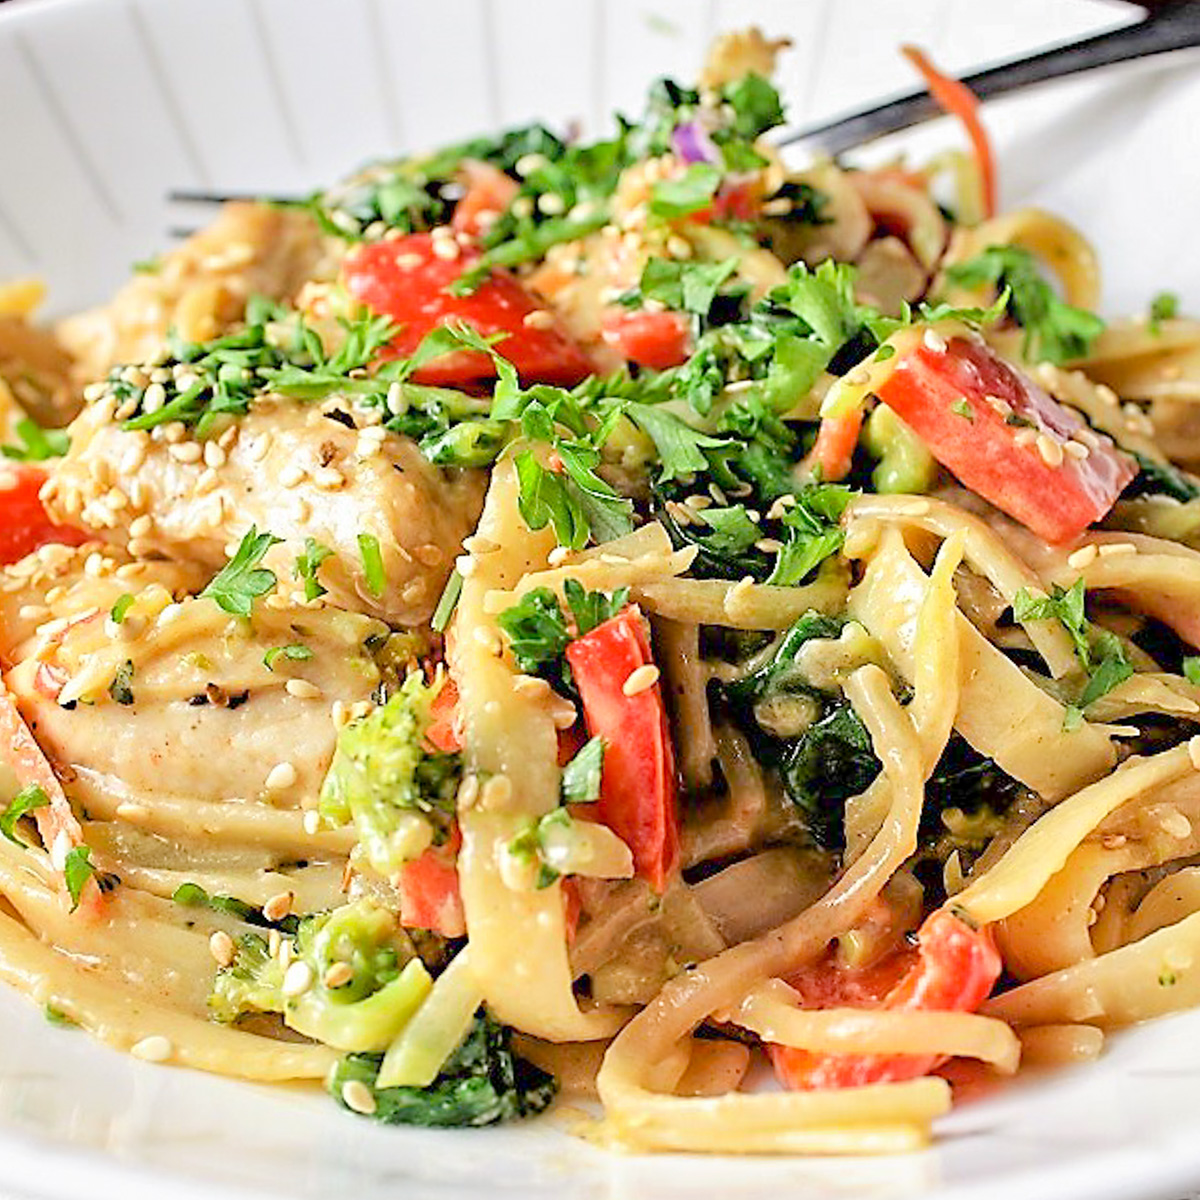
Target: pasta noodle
<point x="607" y="613"/>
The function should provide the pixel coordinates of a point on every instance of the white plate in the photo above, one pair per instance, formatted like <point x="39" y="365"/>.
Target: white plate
<point x="107" y="104"/>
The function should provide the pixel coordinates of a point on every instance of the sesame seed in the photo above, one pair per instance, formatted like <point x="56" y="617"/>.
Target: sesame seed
<point x="175" y="432"/>
<point x="934" y="341"/>
<point x="155" y="1048"/>
<point x="186" y="452"/>
<point x="998" y="405"/>
<point x="154" y="397"/>
<point x="291" y="475"/>
<point x="278" y="906"/>
<point x="1174" y="823"/>
<point x="1076" y="450"/>
<point x="329" y="478"/>
<point x="446" y="248"/>
<point x="214" y="456"/>
<point x="1026" y="437"/>
<point x="339" y="974"/>
<point x="132" y="812"/>
<point x="281" y="777"/>
<point x="171" y="613"/>
<point x="679" y="247"/>
<point x="539" y="318"/>
<point x="558" y="556"/>
<point x="640" y="680"/>
<point x="1082" y="557"/>
<point x="562" y="712"/>
<point x="552" y="204"/>
<point x="1115" y="549"/>
<point x="1050" y="451"/>
<point x="302" y="689"/>
<point x="221" y="947"/>
<point x="297" y="979"/>
<point x="339" y="714"/>
<point x="768" y="545"/>
<point x="357" y="1097"/>
<point x="33" y="612"/>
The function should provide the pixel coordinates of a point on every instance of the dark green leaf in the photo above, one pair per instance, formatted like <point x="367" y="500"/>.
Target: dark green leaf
<point x="733" y="532"/>
<point x="37" y="444"/>
<point x="241" y="581"/>
<point x="592" y="608"/>
<point x="77" y="870"/>
<point x="689" y="193"/>
<point x="25" y="801"/>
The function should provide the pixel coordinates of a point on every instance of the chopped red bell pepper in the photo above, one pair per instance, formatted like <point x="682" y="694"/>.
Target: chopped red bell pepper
<point x="1005" y="438"/>
<point x="24" y="522"/>
<point x="637" y="786"/>
<point x="407" y="280"/>
<point x="659" y="340"/>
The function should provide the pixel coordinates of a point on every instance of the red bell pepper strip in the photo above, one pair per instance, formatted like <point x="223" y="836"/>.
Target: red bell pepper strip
<point x="24" y="523"/>
<point x="955" y="968"/>
<point x="833" y="450"/>
<point x="408" y="281"/>
<point x="658" y="340"/>
<point x="637" y="786"/>
<point x="1005" y="438"/>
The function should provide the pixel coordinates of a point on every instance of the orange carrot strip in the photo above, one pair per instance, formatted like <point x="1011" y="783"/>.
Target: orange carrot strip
<point x="834" y="447"/>
<point x="958" y="100"/>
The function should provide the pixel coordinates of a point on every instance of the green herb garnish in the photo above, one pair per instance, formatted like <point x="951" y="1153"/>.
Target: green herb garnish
<point x="242" y="581"/>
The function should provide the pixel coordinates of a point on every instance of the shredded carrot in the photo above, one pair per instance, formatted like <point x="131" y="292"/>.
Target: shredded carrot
<point x="958" y="100"/>
<point x="834" y="447"/>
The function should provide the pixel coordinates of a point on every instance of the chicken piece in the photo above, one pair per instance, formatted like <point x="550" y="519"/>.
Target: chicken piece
<point x="182" y="711"/>
<point x="296" y="470"/>
<point x="201" y="288"/>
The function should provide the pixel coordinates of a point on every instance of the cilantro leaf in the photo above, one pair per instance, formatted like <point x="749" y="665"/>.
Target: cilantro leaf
<point x="592" y="608"/>
<point x="307" y="565"/>
<point x="688" y="193"/>
<point x="241" y="581"/>
<point x="689" y="287"/>
<point x="77" y="870"/>
<point x="813" y="532"/>
<point x="537" y="631"/>
<point x="37" y="444"/>
<point x="733" y="532"/>
<point x="24" y="802"/>
<point x="1054" y="330"/>
<point x="680" y="447"/>
<point x="1099" y="651"/>
<point x="755" y="103"/>
<point x="581" y="776"/>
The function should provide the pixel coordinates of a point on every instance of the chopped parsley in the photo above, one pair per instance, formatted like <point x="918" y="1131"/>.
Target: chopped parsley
<point x="1054" y="330"/>
<point x="1163" y="307"/>
<point x="688" y="193"/>
<point x="296" y="652"/>
<point x="581" y="776"/>
<point x="307" y="565"/>
<point x="37" y="444"/>
<point x="1100" y="653"/>
<point x="733" y="531"/>
<point x="77" y="870"/>
<point x="23" y="803"/>
<point x="813" y="532"/>
<point x="241" y="580"/>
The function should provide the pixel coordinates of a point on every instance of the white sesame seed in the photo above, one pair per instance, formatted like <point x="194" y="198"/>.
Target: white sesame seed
<point x="640" y="679"/>
<point x="291" y="475"/>
<point x="768" y="545"/>
<point x="155" y="1048"/>
<point x="329" y="478"/>
<point x="1050" y="451"/>
<point x="1076" y="450"/>
<point x="558" y="556"/>
<point x="278" y="906"/>
<point x="446" y="248"/>
<point x="552" y="204"/>
<point x="528" y="163"/>
<point x="302" y="689"/>
<point x="154" y="397"/>
<point x="338" y="974"/>
<point x="171" y="613"/>
<point x="1026" y="437"/>
<point x="1174" y="823"/>
<point x="357" y="1097"/>
<point x="214" y="456"/>
<point x="1194" y="751"/>
<point x="495" y="793"/>
<point x="1115" y="549"/>
<point x="132" y="812"/>
<point x="339" y="714"/>
<point x="221" y="947"/>
<point x="281" y="777"/>
<point x="33" y="612"/>
<point x="1082" y="557"/>
<point x="539" y="318"/>
<point x="679" y="247"/>
<point x="186" y="452"/>
<point x="297" y="979"/>
<point x="934" y="341"/>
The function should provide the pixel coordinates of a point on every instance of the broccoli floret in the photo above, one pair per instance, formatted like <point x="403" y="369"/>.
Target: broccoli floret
<point x="253" y="982"/>
<point x="361" y="986"/>
<point x="483" y="1083"/>
<point x="399" y="794"/>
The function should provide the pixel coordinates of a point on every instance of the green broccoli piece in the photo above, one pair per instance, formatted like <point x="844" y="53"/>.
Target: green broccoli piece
<point x="399" y="795"/>
<point x="483" y="1083"/>
<point x="361" y="982"/>
<point x="253" y="982"/>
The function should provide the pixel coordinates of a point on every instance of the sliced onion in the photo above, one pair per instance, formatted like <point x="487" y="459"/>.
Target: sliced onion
<point x="693" y="145"/>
